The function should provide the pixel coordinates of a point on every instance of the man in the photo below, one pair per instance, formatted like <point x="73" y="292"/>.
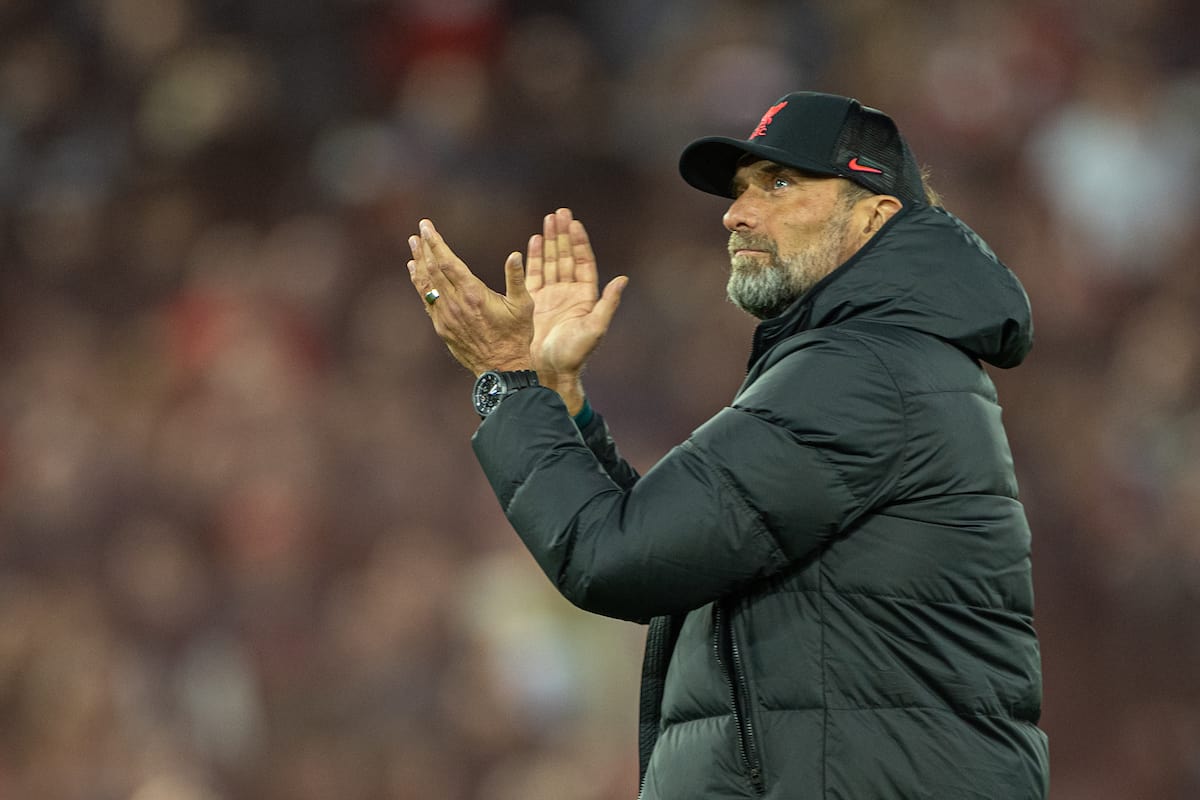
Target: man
<point x="835" y="567"/>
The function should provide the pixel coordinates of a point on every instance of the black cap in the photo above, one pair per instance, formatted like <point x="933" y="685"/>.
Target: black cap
<point x="826" y="134"/>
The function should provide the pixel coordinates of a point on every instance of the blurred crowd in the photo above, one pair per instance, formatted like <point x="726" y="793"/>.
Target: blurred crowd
<point x="245" y="551"/>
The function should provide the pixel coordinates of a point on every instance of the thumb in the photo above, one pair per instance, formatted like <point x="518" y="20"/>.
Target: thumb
<point x="606" y="306"/>
<point x="514" y="279"/>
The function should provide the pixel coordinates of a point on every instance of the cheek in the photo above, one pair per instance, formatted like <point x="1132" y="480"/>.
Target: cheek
<point x="796" y="236"/>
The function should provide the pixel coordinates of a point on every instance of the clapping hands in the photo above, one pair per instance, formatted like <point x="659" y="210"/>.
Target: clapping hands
<point x="550" y="318"/>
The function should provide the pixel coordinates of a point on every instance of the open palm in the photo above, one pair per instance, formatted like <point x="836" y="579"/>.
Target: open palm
<point x="570" y="316"/>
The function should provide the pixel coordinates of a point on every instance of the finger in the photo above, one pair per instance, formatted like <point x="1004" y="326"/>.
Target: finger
<point x="549" y="250"/>
<point x="418" y="271"/>
<point x="533" y="263"/>
<point x="514" y="280"/>
<point x="442" y="259"/>
<point x="412" y="275"/>
<point x="434" y="276"/>
<point x="602" y="313"/>
<point x="425" y="275"/>
<point x="581" y="253"/>
<point x="423" y="288"/>
<point x="566" y="260"/>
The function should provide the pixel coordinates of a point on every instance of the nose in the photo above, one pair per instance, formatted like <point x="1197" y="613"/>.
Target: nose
<point x="742" y="214"/>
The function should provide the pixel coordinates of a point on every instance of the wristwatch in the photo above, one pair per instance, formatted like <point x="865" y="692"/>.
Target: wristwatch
<point x="492" y="387"/>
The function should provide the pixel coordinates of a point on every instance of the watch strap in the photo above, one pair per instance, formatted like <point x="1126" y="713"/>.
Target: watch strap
<point x="519" y="379"/>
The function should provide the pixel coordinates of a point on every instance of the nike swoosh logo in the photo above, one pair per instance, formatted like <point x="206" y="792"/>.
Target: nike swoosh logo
<point x="857" y="167"/>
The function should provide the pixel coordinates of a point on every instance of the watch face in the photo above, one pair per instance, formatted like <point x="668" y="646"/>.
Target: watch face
<point x="488" y="391"/>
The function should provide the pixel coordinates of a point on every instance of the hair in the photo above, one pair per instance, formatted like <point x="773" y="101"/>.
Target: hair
<point x="853" y="192"/>
<point x="932" y="196"/>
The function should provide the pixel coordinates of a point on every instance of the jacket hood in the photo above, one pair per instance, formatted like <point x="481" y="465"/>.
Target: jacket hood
<point x="927" y="271"/>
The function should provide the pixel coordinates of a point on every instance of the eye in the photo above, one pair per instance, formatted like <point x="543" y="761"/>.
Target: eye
<point x="779" y="182"/>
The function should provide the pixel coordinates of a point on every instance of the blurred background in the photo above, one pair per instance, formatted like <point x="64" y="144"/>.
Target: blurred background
<point x="245" y="550"/>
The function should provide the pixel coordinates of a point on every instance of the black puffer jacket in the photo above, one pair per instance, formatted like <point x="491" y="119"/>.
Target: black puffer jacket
<point x="837" y="561"/>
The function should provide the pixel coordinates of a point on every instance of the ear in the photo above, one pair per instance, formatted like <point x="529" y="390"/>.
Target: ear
<point x="877" y="210"/>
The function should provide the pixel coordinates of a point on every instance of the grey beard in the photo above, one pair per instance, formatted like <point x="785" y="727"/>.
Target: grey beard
<point x="764" y="292"/>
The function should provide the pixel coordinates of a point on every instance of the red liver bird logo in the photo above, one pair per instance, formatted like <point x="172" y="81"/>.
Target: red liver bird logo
<point x="766" y="120"/>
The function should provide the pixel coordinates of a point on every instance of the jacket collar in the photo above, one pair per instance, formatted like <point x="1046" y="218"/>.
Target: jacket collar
<point x="925" y="270"/>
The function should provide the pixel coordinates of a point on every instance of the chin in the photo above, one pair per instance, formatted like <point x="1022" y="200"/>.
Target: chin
<point x="748" y="264"/>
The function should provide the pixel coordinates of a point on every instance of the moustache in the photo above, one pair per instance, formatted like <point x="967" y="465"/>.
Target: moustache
<point x="748" y="241"/>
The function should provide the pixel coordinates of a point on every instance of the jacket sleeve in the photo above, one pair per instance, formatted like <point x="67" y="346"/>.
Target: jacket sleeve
<point x="598" y="439"/>
<point x="761" y="485"/>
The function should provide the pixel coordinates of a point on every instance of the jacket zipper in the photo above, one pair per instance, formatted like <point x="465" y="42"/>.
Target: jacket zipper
<point x="739" y="695"/>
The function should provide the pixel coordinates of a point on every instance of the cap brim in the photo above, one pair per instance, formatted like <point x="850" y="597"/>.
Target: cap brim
<point x="709" y="164"/>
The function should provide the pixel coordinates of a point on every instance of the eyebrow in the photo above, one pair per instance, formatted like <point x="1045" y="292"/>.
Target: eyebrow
<point x="770" y="170"/>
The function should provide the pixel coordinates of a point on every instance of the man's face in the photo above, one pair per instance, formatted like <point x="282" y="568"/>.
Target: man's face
<point x="788" y="229"/>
